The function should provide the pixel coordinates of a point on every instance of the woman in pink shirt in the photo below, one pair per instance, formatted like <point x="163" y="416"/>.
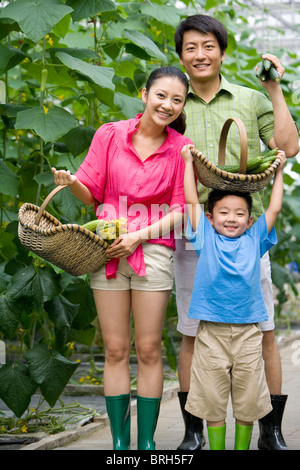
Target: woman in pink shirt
<point x="134" y="170"/>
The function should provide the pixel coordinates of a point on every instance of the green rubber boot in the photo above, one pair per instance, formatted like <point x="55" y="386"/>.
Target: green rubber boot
<point x="118" y="410"/>
<point x="242" y="437"/>
<point x="147" y="416"/>
<point x="216" y="437"/>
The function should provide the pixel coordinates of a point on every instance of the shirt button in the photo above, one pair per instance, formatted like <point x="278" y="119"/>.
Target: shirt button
<point x="211" y="145"/>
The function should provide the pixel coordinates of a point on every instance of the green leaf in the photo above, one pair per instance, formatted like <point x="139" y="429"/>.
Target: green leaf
<point x="36" y="18"/>
<point x="145" y="43"/>
<point x="16" y="387"/>
<point x="129" y="106"/>
<point x="8" y="180"/>
<point x="38" y="286"/>
<point x="49" y="126"/>
<point x="61" y="312"/>
<point x="10" y="312"/>
<point x="86" y="335"/>
<point x="87" y="8"/>
<point x="9" y="57"/>
<point x="101" y="76"/>
<point x="7" y="246"/>
<point x="79" y="139"/>
<point x="50" y="370"/>
<point x="163" y="13"/>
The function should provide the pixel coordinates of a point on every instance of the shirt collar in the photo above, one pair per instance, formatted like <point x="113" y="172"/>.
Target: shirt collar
<point x="224" y="85"/>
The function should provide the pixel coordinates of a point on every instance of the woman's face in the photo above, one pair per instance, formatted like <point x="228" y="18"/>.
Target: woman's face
<point x="164" y="100"/>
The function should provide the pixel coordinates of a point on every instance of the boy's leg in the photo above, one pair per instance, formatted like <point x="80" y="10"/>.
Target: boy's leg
<point x="243" y="434"/>
<point x="216" y="434"/>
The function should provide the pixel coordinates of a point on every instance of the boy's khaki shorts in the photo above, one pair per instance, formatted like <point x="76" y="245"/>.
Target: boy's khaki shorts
<point x="228" y="361"/>
<point x="159" y="272"/>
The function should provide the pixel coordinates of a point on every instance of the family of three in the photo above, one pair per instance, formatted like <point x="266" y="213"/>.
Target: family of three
<point x="147" y="161"/>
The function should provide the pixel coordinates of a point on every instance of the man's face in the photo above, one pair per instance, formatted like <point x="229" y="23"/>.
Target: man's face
<point x="201" y="56"/>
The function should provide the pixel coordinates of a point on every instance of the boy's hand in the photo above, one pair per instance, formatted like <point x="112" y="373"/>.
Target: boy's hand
<point x="186" y="153"/>
<point x="281" y="155"/>
<point x="62" y="177"/>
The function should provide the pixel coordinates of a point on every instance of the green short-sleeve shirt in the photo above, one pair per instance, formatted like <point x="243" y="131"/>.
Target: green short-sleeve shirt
<point x="205" y="121"/>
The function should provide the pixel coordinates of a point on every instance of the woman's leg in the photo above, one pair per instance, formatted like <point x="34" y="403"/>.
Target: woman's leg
<point x="149" y="312"/>
<point x="113" y="308"/>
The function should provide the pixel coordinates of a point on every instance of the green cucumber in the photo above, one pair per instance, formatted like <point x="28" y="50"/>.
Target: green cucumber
<point x="262" y="167"/>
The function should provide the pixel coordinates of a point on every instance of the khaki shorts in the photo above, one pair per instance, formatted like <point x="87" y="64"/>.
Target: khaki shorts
<point x="159" y="272"/>
<point x="228" y="361"/>
<point x="185" y="265"/>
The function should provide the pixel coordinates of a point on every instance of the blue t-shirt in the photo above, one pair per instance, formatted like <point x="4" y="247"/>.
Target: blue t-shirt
<point x="227" y="285"/>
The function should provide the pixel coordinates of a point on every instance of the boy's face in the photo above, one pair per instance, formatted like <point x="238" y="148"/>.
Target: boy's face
<point x="230" y="216"/>
<point x="201" y="55"/>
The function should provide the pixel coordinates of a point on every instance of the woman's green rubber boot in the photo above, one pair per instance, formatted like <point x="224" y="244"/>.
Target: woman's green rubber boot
<point x="242" y="437"/>
<point x="216" y="437"/>
<point x="118" y="410"/>
<point x="147" y="416"/>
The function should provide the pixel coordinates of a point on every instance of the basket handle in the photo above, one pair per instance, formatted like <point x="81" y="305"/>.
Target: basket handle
<point x="243" y="141"/>
<point x="45" y="203"/>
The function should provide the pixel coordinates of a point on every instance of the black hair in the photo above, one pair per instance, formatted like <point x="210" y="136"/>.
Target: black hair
<point x="205" y="24"/>
<point x="217" y="194"/>
<point x="170" y="71"/>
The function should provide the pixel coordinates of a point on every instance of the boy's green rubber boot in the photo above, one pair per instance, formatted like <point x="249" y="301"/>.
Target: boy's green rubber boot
<point x="216" y="437"/>
<point x="242" y="437"/>
<point x="147" y="416"/>
<point x="118" y="410"/>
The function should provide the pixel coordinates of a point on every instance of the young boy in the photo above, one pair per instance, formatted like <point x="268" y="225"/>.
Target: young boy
<point x="228" y="300"/>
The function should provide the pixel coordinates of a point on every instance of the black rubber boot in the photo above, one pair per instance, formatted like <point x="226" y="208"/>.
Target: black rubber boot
<point x="270" y="436"/>
<point x="194" y="437"/>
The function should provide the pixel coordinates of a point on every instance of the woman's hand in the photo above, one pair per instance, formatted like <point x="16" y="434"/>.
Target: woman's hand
<point x="63" y="177"/>
<point x="124" y="245"/>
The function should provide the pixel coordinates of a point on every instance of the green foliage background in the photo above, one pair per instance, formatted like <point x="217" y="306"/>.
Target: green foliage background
<point x="66" y="67"/>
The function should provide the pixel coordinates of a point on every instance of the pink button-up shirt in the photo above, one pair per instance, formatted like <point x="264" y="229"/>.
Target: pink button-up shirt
<point x="141" y="192"/>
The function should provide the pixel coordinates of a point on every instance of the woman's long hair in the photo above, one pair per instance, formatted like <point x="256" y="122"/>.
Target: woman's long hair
<point x="180" y="122"/>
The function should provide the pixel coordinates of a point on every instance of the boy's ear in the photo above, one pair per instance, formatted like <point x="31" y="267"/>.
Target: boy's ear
<point x="210" y="218"/>
<point x="250" y="222"/>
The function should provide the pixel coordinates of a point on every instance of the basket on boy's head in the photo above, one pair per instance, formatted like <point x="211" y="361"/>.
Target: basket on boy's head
<point x="249" y="176"/>
<point x="70" y="247"/>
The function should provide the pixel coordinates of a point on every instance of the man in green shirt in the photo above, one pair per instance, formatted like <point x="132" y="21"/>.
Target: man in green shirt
<point x="201" y="42"/>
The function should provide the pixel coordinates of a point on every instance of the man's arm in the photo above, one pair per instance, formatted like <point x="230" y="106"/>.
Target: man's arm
<point x="285" y="131"/>
<point x="190" y="188"/>
<point x="276" y="194"/>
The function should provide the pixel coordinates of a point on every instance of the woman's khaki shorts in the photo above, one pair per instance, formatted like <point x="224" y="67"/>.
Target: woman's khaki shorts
<point x="159" y="272"/>
<point x="228" y="360"/>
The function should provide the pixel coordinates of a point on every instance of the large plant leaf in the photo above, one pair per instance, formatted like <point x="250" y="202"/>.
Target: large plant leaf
<point x="79" y="139"/>
<point x="49" y="125"/>
<point x="37" y="285"/>
<point x="163" y="13"/>
<point x="10" y="312"/>
<point x="61" y="312"/>
<point x="50" y="370"/>
<point x="128" y="105"/>
<point x="102" y="76"/>
<point x="16" y="387"/>
<point x="9" y="57"/>
<point x="87" y="8"/>
<point x="8" y="180"/>
<point x="145" y="43"/>
<point x="36" y="18"/>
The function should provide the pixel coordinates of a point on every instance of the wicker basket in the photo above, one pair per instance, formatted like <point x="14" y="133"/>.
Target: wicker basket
<point x="71" y="247"/>
<point x="214" y="177"/>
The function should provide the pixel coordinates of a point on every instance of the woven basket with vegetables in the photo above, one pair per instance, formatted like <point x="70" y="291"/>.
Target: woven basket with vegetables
<point x="74" y="248"/>
<point x="249" y="176"/>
